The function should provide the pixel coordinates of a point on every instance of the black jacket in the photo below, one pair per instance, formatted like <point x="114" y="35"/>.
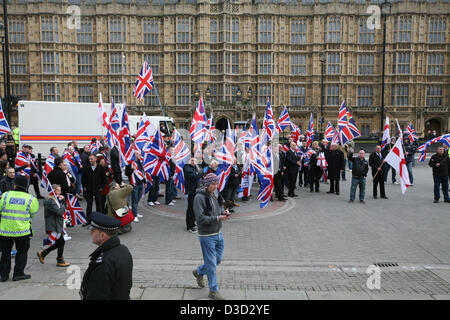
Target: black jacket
<point x="6" y="184"/>
<point x="95" y="180"/>
<point x="411" y="149"/>
<point x="291" y="162"/>
<point x="192" y="178"/>
<point x="443" y="168"/>
<point x="336" y="163"/>
<point x="57" y="176"/>
<point x="314" y="170"/>
<point x="115" y="161"/>
<point x="375" y="162"/>
<point x="109" y="275"/>
<point x="360" y="167"/>
<point x="232" y="180"/>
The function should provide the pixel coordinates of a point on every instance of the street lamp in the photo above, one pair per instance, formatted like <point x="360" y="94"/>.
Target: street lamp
<point x="238" y="93"/>
<point x="322" y="65"/>
<point x="385" y="11"/>
<point x="207" y="92"/>
<point x="196" y="93"/>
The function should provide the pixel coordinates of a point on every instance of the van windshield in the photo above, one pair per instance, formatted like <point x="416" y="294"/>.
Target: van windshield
<point x="169" y="124"/>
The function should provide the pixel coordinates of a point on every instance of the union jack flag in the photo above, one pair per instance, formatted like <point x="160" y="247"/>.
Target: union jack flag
<point x="4" y="126"/>
<point x="198" y="127"/>
<point x="181" y="154"/>
<point x="113" y="127"/>
<point x="126" y="147"/>
<point x="445" y="139"/>
<point x="210" y="135"/>
<point x="329" y="132"/>
<point x="352" y="126"/>
<point x="284" y="120"/>
<point x="310" y="132"/>
<point x="71" y="162"/>
<point x="254" y="144"/>
<point x="144" y="82"/>
<point x="94" y="146"/>
<point x="336" y="136"/>
<point x="23" y="159"/>
<point x="74" y="210"/>
<point x="48" y="167"/>
<point x="411" y="133"/>
<point x="225" y="157"/>
<point x="345" y="134"/>
<point x="156" y="161"/>
<point x="142" y="137"/>
<point x="268" y="124"/>
<point x="51" y="238"/>
<point x="264" y="171"/>
<point x="386" y="136"/>
<point x="137" y="174"/>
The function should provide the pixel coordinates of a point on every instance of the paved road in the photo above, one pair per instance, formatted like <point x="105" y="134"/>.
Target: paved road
<point x="316" y="246"/>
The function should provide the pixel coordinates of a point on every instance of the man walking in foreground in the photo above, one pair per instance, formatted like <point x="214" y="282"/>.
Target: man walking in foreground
<point x="359" y="174"/>
<point x="209" y="216"/>
<point x="440" y="163"/>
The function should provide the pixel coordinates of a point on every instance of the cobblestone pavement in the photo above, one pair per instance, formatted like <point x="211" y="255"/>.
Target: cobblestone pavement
<point x="316" y="246"/>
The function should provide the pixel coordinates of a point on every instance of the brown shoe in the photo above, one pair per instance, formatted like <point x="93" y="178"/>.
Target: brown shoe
<point x="215" y="295"/>
<point x="200" y="281"/>
<point x="41" y="256"/>
<point x="62" y="263"/>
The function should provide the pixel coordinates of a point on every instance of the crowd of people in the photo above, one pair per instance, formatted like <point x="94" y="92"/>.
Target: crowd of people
<point x="94" y="174"/>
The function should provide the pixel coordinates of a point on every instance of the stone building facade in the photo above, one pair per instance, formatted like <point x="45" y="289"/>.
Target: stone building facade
<point x="237" y="54"/>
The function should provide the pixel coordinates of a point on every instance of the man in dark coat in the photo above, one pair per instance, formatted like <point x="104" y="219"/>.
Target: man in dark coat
<point x="94" y="180"/>
<point x="377" y="162"/>
<point x="109" y="275"/>
<point x="115" y="164"/>
<point x="192" y="176"/>
<point x="7" y="182"/>
<point x="336" y="164"/>
<point x="440" y="162"/>
<point x="279" y="176"/>
<point x="58" y="176"/>
<point x="304" y="170"/>
<point x="292" y="164"/>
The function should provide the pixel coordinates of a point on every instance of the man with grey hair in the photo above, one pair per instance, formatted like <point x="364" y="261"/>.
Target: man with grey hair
<point x="359" y="174"/>
<point x="209" y="216"/>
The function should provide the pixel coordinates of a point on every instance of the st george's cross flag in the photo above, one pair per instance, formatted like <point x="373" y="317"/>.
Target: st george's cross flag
<point x="198" y="127"/>
<point x="396" y="159"/>
<point x="74" y="210"/>
<point x="386" y="136"/>
<point x="322" y="163"/>
<point x="144" y="82"/>
<point x="329" y="132"/>
<point x="4" y="126"/>
<point x="102" y="115"/>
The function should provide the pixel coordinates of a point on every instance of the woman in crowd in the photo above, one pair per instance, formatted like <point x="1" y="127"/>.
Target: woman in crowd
<point x="54" y="208"/>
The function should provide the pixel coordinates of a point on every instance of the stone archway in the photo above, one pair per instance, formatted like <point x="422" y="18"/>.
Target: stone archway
<point x="433" y="124"/>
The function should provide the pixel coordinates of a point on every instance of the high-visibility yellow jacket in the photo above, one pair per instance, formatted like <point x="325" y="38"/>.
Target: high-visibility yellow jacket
<point x="15" y="133"/>
<point x="16" y="210"/>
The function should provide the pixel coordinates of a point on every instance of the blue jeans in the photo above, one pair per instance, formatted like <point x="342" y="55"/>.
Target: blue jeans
<point x="135" y="197"/>
<point x="78" y="182"/>
<point x="438" y="181"/>
<point x="361" y="182"/>
<point x="410" y="173"/>
<point x="212" y="250"/>
<point x="350" y="164"/>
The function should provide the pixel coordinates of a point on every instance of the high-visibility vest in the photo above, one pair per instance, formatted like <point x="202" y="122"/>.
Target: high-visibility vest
<point x="16" y="135"/>
<point x="17" y="208"/>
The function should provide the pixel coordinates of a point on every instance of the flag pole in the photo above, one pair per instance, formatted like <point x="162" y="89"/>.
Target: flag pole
<point x="162" y="109"/>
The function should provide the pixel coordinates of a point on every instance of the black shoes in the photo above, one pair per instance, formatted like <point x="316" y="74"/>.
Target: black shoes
<point x="22" y="277"/>
<point x="330" y="191"/>
<point x="4" y="279"/>
<point x="384" y="197"/>
<point x="448" y="201"/>
<point x="375" y="197"/>
<point x="337" y="192"/>
<point x="435" y="201"/>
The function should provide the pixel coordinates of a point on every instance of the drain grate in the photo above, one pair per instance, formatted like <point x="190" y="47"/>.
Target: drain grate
<point x="386" y="264"/>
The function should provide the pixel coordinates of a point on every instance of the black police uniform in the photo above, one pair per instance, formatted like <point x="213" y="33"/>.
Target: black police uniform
<point x="109" y="275"/>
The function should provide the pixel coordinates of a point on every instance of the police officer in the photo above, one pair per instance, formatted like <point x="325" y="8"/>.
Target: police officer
<point x="109" y="275"/>
<point x="17" y="208"/>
